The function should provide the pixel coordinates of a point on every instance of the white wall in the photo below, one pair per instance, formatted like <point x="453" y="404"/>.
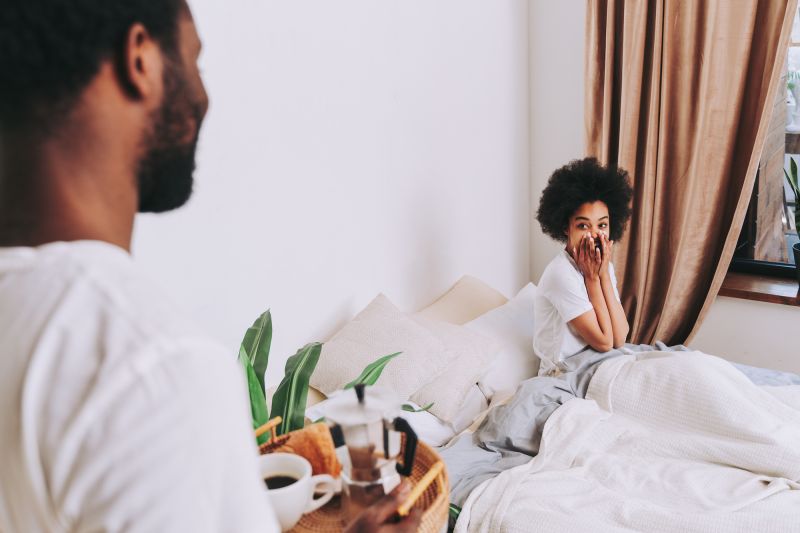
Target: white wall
<point x="556" y="81"/>
<point x="351" y="147"/>
<point x="754" y="333"/>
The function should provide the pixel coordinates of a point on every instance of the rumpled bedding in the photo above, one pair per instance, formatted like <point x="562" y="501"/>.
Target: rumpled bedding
<point x="511" y="434"/>
<point x="663" y="442"/>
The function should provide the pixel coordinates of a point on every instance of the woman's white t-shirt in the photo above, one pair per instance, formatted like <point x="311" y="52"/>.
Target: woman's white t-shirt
<point x="561" y="297"/>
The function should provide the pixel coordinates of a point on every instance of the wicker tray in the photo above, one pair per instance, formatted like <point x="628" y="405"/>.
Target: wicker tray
<point x="434" y="501"/>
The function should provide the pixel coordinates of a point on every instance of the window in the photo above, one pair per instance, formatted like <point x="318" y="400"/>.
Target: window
<point x="769" y="232"/>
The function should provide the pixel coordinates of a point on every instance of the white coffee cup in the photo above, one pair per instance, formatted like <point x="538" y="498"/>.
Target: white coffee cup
<point x="291" y="502"/>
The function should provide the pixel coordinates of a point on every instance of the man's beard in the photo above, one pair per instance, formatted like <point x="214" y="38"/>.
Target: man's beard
<point x="165" y="171"/>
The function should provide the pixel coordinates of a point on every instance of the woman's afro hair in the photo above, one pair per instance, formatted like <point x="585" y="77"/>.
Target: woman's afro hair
<point x="584" y="181"/>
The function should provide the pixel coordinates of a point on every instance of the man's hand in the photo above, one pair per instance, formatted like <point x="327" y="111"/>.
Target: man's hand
<point x="379" y="517"/>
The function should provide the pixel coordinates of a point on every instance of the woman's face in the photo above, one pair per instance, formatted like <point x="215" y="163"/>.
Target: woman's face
<point x="592" y="218"/>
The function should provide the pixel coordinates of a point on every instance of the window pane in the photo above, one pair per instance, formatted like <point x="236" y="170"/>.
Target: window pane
<point x="773" y="233"/>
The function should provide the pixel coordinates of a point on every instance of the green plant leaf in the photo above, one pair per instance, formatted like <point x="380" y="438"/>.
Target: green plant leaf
<point x="256" y="343"/>
<point x="792" y="178"/>
<point x="453" y="511"/>
<point x="258" y="404"/>
<point x="411" y="409"/>
<point x="372" y="372"/>
<point x="289" y="401"/>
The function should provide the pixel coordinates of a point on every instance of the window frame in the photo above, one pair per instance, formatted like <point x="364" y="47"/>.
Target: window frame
<point x="742" y="261"/>
<point x="744" y="265"/>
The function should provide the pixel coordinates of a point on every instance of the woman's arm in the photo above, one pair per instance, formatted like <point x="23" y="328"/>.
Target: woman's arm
<point x="594" y="326"/>
<point x="619" y="322"/>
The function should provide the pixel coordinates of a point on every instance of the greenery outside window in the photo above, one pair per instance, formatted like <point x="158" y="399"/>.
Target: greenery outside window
<point x="765" y="243"/>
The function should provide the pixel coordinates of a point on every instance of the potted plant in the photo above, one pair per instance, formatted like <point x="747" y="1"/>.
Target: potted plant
<point x="794" y="183"/>
<point x="289" y="400"/>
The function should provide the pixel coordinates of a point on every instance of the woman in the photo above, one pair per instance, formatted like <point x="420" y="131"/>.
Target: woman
<point x="585" y="206"/>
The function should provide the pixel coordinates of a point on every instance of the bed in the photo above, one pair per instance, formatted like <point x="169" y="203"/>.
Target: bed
<point x="644" y="438"/>
<point x="647" y="438"/>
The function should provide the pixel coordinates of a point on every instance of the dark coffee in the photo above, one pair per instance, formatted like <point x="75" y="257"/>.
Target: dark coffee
<point x="278" y="482"/>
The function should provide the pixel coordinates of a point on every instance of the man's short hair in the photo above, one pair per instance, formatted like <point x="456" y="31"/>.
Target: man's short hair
<point x="51" y="49"/>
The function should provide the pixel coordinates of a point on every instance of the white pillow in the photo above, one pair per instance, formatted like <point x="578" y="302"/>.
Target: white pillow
<point x="448" y="391"/>
<point x="429" y="428"/>
<point x="511" y="327"/>
<point x="473" y="405"/>
<point x="436" y="432"/>
<point x="381" y="329"/>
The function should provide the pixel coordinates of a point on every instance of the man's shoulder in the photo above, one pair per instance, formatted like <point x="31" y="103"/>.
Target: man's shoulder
<point x="95" y="293"/>
<point x="99" y="335"/>
<point x="113" y="286"/>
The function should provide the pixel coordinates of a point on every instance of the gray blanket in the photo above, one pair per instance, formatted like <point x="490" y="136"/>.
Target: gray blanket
<point x="510" y="434"/>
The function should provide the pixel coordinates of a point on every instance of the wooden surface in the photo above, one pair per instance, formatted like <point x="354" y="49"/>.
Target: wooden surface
<point x="761" y="288"/>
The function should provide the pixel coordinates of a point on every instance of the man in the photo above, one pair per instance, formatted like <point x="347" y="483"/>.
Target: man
<point x="116" y="413"/>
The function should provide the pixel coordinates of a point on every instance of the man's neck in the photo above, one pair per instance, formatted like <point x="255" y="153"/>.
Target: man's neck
<point x="65" y="190"/>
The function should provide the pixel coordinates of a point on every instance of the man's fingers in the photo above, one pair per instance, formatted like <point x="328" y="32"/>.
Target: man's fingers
<point x="387" y="506"/>
<point x="409" y="524"/>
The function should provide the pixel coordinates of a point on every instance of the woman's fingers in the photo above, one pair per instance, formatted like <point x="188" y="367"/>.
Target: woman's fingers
<point x="587" y="248"/>
<point x="588" y="244"/>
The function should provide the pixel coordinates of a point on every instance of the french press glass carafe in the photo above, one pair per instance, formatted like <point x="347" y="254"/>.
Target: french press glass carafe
<point x="365" y="423"/>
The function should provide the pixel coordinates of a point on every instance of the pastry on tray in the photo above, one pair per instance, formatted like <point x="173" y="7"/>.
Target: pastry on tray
<point x="314" y="443"/>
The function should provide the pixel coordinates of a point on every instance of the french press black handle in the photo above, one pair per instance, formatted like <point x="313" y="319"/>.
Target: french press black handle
<point x="402" y="425"/>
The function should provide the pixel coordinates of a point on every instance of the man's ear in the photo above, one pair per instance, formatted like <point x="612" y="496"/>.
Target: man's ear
<point x="141" y="64"/>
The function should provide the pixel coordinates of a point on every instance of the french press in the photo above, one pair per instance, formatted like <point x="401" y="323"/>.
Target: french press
<point x="367" y="433"/>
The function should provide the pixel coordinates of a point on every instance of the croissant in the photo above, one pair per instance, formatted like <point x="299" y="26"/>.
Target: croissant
<point x="314" y="443"/>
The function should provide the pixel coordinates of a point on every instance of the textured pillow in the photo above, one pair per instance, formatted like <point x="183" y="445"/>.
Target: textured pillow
<point x="434" y="431"/>
<point x="449" y="390"/>
<point x="473" y="405"/>
<point x="511" y="327"/>
<point x="378" y="330"/>
<point x="469" y="298"/>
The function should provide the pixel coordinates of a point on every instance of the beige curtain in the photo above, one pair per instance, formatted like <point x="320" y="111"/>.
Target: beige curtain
<point x="677" y="94"/>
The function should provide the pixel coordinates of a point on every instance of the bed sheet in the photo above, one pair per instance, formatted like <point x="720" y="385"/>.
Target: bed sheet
<point x="510" y="434"/>
<point x="663" y="442"/>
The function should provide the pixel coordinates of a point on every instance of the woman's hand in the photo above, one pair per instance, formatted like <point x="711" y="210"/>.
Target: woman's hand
<point x="607" y="247"/>
<point x="588" y="258"/>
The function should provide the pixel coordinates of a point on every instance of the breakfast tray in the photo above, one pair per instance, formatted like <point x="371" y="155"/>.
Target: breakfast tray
<point x="434" y="501"/>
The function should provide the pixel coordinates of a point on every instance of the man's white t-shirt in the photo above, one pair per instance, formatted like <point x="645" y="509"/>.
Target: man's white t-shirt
<point x="116" y="413"/>
<point x="560" y="298"/>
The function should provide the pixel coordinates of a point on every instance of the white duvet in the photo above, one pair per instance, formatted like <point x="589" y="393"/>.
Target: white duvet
<point x="665" y="441"/>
